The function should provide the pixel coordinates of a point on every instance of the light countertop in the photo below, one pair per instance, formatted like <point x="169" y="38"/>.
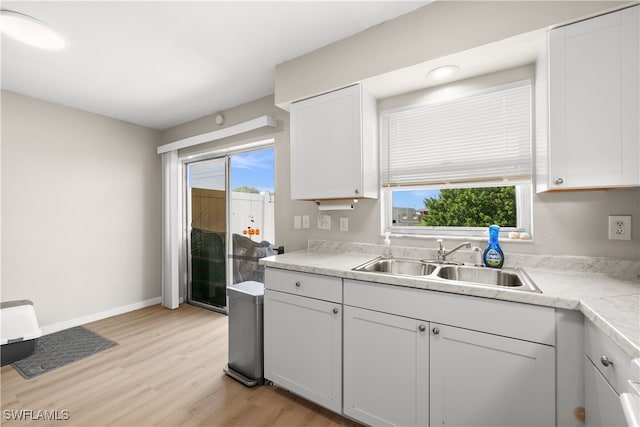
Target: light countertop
<point x="611" y="303"/>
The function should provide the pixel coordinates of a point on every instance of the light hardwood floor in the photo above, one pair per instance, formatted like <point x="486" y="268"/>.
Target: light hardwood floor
<point x="166" y="371"/>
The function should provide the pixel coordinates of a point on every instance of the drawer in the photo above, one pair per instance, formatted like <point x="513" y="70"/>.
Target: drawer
<point x="596" y="346"/>
<point x="304" y="284"/>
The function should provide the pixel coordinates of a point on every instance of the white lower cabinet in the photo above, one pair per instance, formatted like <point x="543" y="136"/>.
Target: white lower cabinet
<point x="394" y="356"/>
<point x="386" y="372"/>
<point x="403" y="371"/>
<point x="601" y="400"/>
<point x="303" y="346"/>
<point x="480" y="379"/>
<point x="400" y="371"/>
<point x="606" y="371"/>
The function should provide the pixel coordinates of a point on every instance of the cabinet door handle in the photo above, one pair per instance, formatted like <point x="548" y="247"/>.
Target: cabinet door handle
<point x="605" y="361"/>
<point x="335" y="311"/>
<point x="435" y="331"/>
<point x="298" y="284"/>
<point x="422" y="328"/>
<point x="558" y="181"/>
<point x="357" y="191"/>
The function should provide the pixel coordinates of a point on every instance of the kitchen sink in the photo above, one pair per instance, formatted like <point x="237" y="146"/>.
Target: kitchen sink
<point x="484" y="276"/>
<point x="463" y="274"/>
<point x="401" y="266"/>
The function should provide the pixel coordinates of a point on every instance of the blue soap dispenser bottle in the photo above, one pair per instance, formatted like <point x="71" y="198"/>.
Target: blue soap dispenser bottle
<point x="493" y="256"/>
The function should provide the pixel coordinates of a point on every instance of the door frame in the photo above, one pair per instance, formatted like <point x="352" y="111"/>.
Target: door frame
<point x="185" y="288"/>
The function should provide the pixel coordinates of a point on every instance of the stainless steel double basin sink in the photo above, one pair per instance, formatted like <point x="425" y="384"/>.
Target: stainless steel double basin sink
<point x="453" y="273"/>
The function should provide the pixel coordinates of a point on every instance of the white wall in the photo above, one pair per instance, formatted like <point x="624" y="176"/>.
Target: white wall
<point x="80" y="210"/>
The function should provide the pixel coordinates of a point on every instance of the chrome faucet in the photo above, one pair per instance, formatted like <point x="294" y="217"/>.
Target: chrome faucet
<point x="443" y="253"/>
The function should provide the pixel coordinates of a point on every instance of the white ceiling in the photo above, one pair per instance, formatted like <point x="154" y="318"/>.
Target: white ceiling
<point x="159" y="63"/>
<point x="497" y="56"/>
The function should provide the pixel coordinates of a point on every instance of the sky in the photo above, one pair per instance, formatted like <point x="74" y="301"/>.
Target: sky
<point x="254" y="169"/>
<point x="412" y="198"/>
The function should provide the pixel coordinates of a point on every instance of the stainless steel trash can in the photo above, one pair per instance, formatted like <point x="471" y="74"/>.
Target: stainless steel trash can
<point x="246" y="347"/>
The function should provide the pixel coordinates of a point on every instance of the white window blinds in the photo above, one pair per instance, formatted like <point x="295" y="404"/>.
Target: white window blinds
<point x="483" y="137"/>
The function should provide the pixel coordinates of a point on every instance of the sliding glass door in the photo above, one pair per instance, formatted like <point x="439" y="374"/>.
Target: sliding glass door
<point x="230" y="223"/>
<point x="207" y="237"/>
<point x="252" y="213"/>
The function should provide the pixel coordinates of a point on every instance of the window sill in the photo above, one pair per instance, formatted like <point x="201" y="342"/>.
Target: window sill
<point x="457" y="237"/>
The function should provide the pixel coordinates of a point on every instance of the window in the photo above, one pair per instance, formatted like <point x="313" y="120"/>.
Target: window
<point x="456" y="167"/>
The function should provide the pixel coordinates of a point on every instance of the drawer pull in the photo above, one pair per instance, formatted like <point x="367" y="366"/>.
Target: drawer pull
<point x="298" y="284"/>
<point x="605" y="361"/>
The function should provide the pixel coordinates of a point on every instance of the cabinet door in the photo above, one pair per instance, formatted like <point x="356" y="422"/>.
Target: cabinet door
<point x="303" y="347"/>
<point x="602" y="403"/>
<point x="479" y="379"/>
<point x="326" y="146"/>
<point x="386" y="373"/>
<point x="594" y="102"/>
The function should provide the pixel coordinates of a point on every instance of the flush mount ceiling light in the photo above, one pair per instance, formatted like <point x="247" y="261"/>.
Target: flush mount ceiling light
<point x="444" y="72"/>
<point x="29" y="30"/>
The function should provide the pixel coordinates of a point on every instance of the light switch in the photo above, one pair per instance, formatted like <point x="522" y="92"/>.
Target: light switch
<point x="305" y="221"/>
<point x="297" y="222"/>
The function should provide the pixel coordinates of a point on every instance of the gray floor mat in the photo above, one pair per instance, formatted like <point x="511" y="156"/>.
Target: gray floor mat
<point x="60" y="349"/>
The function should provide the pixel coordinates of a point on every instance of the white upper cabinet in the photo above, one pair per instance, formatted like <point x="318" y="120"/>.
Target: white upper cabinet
<point x="334" y="142"/>
<point x="593" y="124"/>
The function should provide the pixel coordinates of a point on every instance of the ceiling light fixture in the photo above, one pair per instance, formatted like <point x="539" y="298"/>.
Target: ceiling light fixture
<point x="30" y="30"/>
<point x="444" y="72"/>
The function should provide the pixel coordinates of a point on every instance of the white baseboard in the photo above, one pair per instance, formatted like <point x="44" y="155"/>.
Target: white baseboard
<point x="56" y="327"/>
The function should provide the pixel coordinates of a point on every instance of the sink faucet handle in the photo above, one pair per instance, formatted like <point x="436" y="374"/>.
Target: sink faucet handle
<point x="387" y="246"/>
<point x="478" y="256"/>
<point x="441" y="251"/>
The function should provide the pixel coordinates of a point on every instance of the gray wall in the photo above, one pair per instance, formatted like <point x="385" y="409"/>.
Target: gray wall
<point x="436" y="30"/>
<point x="80" y="210"/>
<point x="364" y="222"/>
<point x="563" y="223"/>
<point x="234" y="116"/>
<point x="81" y="193"/>
<point x="568" y="223"/>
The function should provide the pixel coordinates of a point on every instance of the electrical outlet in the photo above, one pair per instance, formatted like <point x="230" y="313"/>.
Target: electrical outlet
<point x="305" y="221"/>
<point x="324" y="222"/>
<point x="297" y="222"/>
<point x="344" y="224"/>
<point x="619" y="227"/>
